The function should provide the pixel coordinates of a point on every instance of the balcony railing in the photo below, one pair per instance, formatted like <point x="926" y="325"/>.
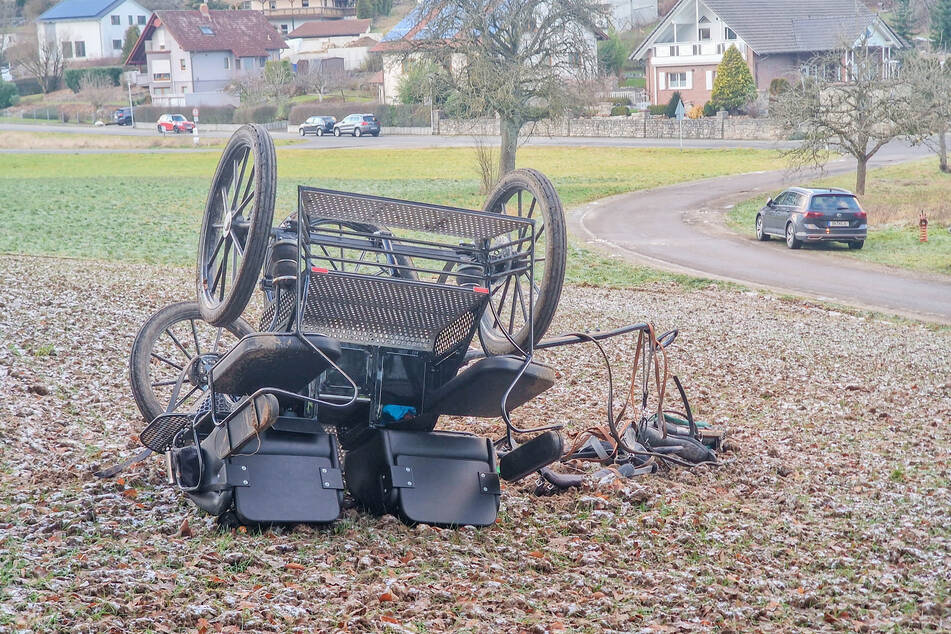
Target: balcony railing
<point x="696" y="49"/>
<point x="314" y="12"/>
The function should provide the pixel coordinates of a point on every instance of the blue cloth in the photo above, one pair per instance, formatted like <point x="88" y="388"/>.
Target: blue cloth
<point x="395" y="413"/>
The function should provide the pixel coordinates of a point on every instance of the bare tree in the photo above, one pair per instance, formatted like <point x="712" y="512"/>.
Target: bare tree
<point x="317" y="79"/>
<point x="517" y="59"/>
<point x="928" y="80"/>
<point x="97" y="90"/>
<point x="43" y="61"/>
<point x="846" y="101"/>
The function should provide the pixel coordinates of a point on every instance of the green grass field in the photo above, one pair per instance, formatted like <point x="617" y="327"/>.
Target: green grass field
<point x="894" y="196"/>
<point x="138" y="207"/>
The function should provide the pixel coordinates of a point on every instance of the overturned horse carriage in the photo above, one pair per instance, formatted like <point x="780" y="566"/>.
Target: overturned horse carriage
<point x="371" y="308"/>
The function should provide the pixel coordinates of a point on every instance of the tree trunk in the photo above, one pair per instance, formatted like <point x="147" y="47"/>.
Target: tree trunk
<point x="510" y="130"/>
<point x="861" y="169"/>
<point x="943" y="151"/>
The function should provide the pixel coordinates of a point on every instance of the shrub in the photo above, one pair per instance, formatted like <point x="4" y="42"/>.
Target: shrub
<point x="74" y="76"/>
<point x="709" y="109"/>
<point x="28" y="86"/>
<point x="778" y="86"/>
<point x="263" y="113"/>
<point x="671" y="109"/>
<point x="733" y="87"/>
<point x="8" y="94"/>
<point x="658" y="109"/>
<point x="621" y="101"/>
<point x="208" y="114"/>
<point x="695" y="112"/>
<point x="620" y="111"/>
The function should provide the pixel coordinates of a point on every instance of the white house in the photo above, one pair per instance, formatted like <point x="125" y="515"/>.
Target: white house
<point x="630" y="14"/>
<point x="192" y="56"/>
<point x="90" y="29"/>
<point x="331" y="38"/>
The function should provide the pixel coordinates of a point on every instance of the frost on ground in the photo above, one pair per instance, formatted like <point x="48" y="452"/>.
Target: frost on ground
<point x="831" y="511"/>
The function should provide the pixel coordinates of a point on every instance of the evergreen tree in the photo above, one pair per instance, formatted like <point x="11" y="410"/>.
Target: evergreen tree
<point x="733" y="87"/>
<point x="941" y="24"/>
<point x="903" y="19"/>
<point x="131" y="37"/>
<point x="365" y="9"/>
<point x="671" y="111"/>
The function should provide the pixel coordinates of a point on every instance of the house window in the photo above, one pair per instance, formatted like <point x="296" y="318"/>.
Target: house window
<point x="115" y="19"/>
<point x="697" y="49"/>
<point x="730" y="34"/>
<point x="227" y="62"/>
<point x="283" y="29"/>
<point x="676" y="80"/>
<point x="117" y="44"/>
<point x="131" y="20"/>
<point x="237" y="63"/>
<point x="67" y="50"/>
<point x="161" y="76"/>
<point x="273" y="4"/>
<point x="703" y="31"/>
<point x="206" y="30"/>
<point x="305" y="3"/>
<point x="181" y="63"/>
<point x="262" y="61"/>
<point x="674" y="51"/>
<point x="183" y="90"/>
<point x="246" y="5"/>
<point x="141" y="19"/>
<point x="79" y="49"/>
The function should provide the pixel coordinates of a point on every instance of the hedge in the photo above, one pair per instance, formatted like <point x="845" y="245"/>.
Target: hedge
<point x="264" y="113"/>
<point x="28" y="86"/>
<point x="403" y="115"/>
<point x="74" y="76"/>
<point x="620" y="111"/>
<point x="658" y="109"/>
<point x="207" y="114"/>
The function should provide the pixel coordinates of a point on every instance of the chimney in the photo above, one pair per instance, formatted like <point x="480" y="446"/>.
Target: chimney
<point x="204" y="10"/>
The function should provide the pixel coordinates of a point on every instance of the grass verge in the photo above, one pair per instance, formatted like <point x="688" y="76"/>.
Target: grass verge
<point x="894" y="196"/>
<point x="147" y="208"/>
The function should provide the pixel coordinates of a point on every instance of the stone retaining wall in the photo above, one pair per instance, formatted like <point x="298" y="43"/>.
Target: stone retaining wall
<point x="638" y="126"/>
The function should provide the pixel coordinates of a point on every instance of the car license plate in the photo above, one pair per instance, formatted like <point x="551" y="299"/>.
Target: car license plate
<point x="838" y="223"/>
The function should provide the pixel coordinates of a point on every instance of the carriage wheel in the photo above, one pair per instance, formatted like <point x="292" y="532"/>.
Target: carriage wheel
<point x="177" y="339"/>
<point x="237" y="224"/>
<point x="528" y="194"/>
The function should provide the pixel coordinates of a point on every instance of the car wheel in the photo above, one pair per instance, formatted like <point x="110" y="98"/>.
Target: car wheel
<point x="760" y="233"/>
<point x="791" y="241"/>
<point x="336" y="131"/>
<point x="855" y="245"/>
<point x="302" y="132"/>
<point x="376" y="134"/>
<point x="320" y="132"/>
<point x="356" y="132"/>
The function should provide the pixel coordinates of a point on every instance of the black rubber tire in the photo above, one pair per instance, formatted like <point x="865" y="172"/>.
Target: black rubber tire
<point x="761" y="234"/>
<point x="791" y="241"/>
<point x="356" y="132"/>
<point x="855" y="245"/>
<point x="140" y="358"/>
<point x="336" y="131"/>
<point x="160" y="129"/>
<point x="302" y="132"/>
<point x="320" y="132"/>
<point x="555" y="250"/>
<point x="249" y="141"/>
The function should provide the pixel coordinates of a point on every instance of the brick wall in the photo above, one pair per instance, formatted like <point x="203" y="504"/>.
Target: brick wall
<point x="638" y="126"/>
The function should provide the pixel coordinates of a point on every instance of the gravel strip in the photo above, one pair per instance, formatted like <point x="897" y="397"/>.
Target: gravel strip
<point x="831" y="510"/>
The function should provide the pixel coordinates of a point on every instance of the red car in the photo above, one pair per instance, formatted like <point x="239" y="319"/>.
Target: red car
<point x="176" y="123"/>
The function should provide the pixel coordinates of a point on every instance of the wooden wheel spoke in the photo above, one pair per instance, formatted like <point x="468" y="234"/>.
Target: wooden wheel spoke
<point x="223" y="271"/>
<point x="195" y="336"/>
<point x="240" y="177"/>
<point x="521" y="299"/>
<point x="244" y="204"/>
<point x="237" y="245"/>
<point x="184" y="398"/>
<point x="248" y="191"/>
<point x="164" y="383"/>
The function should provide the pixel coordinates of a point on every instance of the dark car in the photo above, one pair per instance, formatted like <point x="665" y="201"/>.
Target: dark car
<point x="122" y="116"/>
<point x="317" y="125"/>
<point x="358" y="125"/>
<point x="800" y="215"/>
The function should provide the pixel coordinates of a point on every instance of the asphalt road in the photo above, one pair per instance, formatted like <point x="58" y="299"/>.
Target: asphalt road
<point x="396" y="141"/>
<point x="681" y="228"/>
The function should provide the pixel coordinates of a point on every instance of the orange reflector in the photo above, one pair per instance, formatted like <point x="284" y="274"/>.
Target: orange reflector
<point x="317" y="269"/>
<point x="481" y="289"/>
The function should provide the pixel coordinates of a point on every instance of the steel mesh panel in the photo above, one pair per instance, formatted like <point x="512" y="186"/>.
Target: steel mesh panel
<point x="285" y="307"/>
<point x="386" y="311"/>
<point x="392" y="214"/>
<point x="160" y="433"/>
<point x="456" y="332"/>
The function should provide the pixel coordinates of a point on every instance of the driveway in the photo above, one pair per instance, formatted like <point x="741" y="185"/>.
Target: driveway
<point x="681" y="228"/>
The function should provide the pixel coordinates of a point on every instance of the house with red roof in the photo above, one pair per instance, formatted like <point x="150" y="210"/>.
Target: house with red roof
<point x="331" y="39"/>
<point x="192" y="56"/>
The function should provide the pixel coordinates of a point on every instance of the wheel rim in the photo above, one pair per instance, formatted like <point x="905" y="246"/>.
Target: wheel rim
<point x="510" y="294"/>
<point x="759" y="226"/>
<point x="789" y="235"/>
<point x="184" y="343"/>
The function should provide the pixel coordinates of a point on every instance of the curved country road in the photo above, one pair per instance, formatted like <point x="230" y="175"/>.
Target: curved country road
<point x="681" y="228"/>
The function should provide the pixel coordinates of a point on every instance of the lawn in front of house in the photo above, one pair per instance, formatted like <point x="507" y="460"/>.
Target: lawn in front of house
<point x="148" y="207"/>
<point x="893" y="198"/>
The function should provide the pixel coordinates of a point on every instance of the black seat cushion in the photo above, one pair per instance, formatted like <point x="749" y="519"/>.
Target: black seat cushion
<point x="478" y="390"/>
<point x="278" y="360"/>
